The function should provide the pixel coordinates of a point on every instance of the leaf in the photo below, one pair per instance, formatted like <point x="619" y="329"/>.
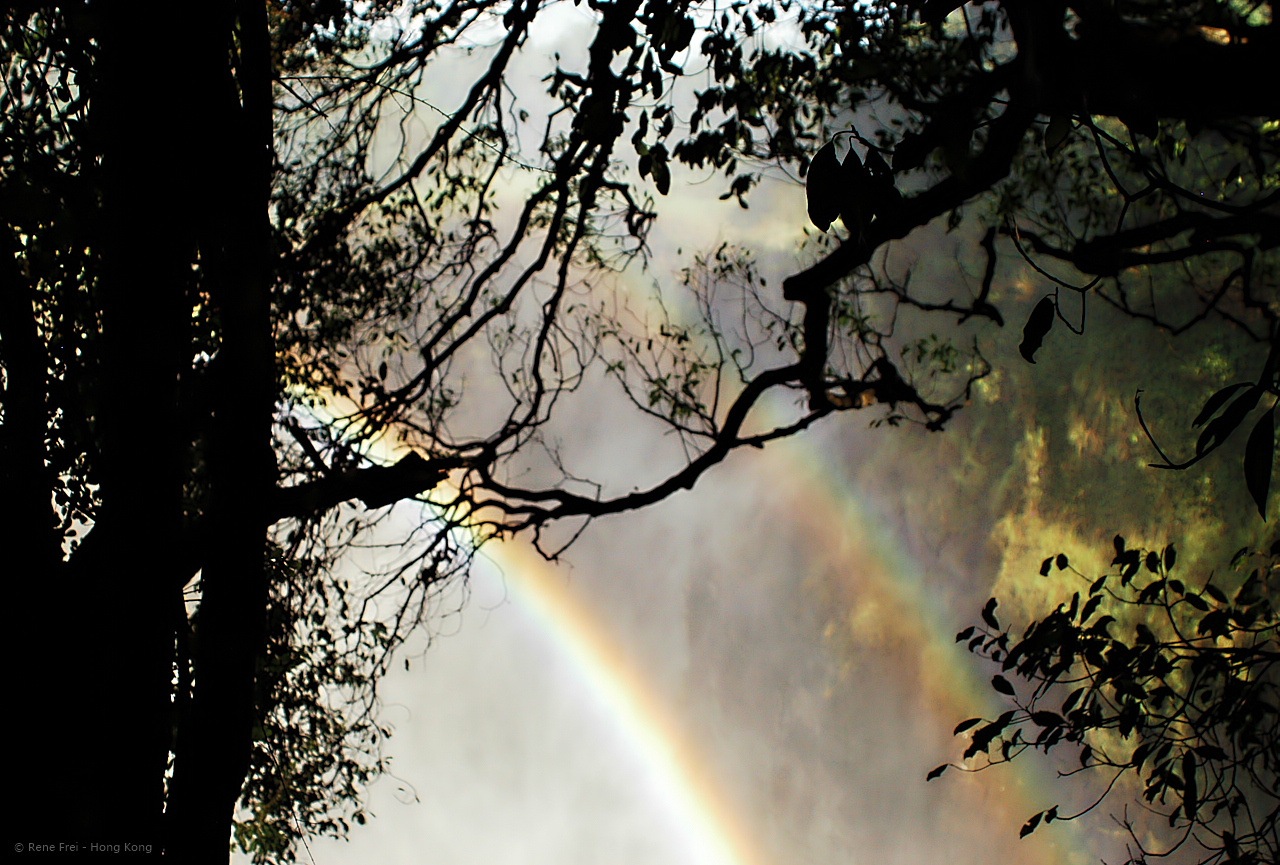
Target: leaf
<point x="1062" y="562"/>
<point x="1001" y="684"/>
<point x="661" y="176"/>
<point x="1045" y="566"/>
<point x="989" y="615"/>
<point x="983" y="736"/>
<point x="855" y="190"/>
<point x="1056" y="133"/>
<point x="1153" y="562"/>
<point x="965" y="634"/>
<point x="1190" y="804"/>
<point x="1215" y="593"/>
<point x="1216" y="401"/>
<point x="1038" y="324"/>
<point x="1211" y="752"/>
<point x="1118" y="542"/>
<point x="1030" y="825"/>
<point x="1225" y="424"/>
<point x="1090" y="606"/>
<point x="1047" y="719"/>
<point x="1214" y="624"/>
<point x="966" y="725"/>
<point x="1170" y="556"/>
<point x="1259" y="454"/>
<point x="822" y="187"/>
<point x="1097" y="584"/>
<point x="1197" y="602"/>
<point x="936" y="772"/>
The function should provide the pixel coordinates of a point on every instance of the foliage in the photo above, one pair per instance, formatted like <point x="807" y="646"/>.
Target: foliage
<point x="1159" y="682"/>
<point x="377" y="289"/>
<point x="1129" y="183"/>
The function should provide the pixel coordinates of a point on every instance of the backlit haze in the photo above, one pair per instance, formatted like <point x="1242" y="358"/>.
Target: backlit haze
<point x="759" y="671"/>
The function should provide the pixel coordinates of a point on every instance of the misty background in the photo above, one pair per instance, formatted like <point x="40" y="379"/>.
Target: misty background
<point x="791" y="619"/>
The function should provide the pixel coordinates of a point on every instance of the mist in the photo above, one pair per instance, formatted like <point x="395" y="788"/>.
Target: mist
<point x="782" y="634"/>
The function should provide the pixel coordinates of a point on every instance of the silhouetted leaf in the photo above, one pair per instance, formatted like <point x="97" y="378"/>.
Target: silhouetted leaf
<point x="1259" y="453"/>
<point x="1097" y="584"/>
<point x="1170" y="556"/>
<point x="1215" y="593"/>
<point x="1089" y="607"/>
<point x="1189" y="800"/>
<point x="966" y="725"/>
<point x="1211" y="752"/>
<point x="1225" y="424"/>
<point x="936" y="772"/>
<point x="1045" y="566"/>
<point x="1214" y="624"/>
<point x="1001" y="684"/>
<point x="822" y="187"/>
<point x="1216" y="401"/>
<point x="1197" y="602"/>
<point x="1030" y="825"/>
<point x="1038" y="324"/>
<point x="989" y="614"/>
<point x="965" y="634"/>
<point x="1057" y="131"/>
<point x="855" y="194"/>
<point x="1047" y="719"/>
<point x="1118" y="542"/>
<point x="1062" y="562"/>
<point x="1153" y="562"/>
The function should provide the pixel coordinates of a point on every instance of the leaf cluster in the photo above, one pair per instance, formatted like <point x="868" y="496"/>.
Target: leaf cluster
<point x="1159" y="681"/>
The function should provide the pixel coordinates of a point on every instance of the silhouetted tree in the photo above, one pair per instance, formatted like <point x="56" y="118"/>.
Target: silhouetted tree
<point x="231" y="273"/>
<point x="244" y="294"/>
<point x="1167" y="685"/>
<point x="1119" y="149"/>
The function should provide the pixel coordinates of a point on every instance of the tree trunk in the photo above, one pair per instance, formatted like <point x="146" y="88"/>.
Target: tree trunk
<point x="234" y="142"/>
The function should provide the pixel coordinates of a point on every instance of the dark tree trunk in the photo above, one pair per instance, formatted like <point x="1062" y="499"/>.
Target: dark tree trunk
<point x="104" y="680"/>
<point x="234" y="143"/>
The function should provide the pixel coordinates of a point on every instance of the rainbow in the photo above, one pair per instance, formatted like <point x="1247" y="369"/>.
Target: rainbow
<point x="876" y="570"/>
<point x="712" y="832"/>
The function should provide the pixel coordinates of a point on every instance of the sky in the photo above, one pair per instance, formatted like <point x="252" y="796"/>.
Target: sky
<point x="759" y="671"/>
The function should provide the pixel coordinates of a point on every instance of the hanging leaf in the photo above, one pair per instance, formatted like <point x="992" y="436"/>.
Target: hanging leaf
<point x="936" y="772"/>
<point x="1057" y="131"/>
<point x="1030" y="825"/>
<point x="1259" y="454"/>
<point x="1090" y="606"/>
<point x="1037" y="326"/>
<point x="1170" y="557"/>
<point x="1216" y="401"/>
<point x="966" y="725"/>
<point x="822" y="187"/>
<point x="1225" y="424"/>
<point x="855" y="194"/>
<point x="1001" y="684"/>
<point x="989" y="614"/>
